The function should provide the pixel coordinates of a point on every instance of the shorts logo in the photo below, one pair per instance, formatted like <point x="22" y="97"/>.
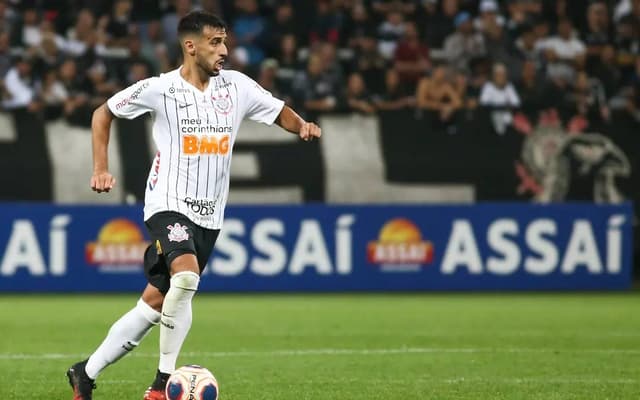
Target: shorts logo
<point x="177" y="233"/>
<point x="222" y="104"/>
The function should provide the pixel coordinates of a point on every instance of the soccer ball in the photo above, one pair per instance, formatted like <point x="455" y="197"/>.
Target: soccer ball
<point x="192" y="382"/>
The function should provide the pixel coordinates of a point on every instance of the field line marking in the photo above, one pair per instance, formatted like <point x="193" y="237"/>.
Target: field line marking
<point x="594" y="380"/>
<point x="334" y="352"/>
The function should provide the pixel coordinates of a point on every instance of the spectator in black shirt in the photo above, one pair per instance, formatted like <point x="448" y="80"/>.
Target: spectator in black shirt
<point x="268" y="79"/>
<point x="434" y="24"/>
<point x="395" y="96"/>
<point x="288" y="63"/>
<point x="327" y="24"/>
<point x="357" y="97"/>
<point x="598" y="34"/>
<point x="118" y="26"/>
<point x="77" y="109"/>
<point x="370" y="63"/>
<point x="530" y="90"/>
<point x="632" y="95"/>
<point x="313" y="90"/>
<point x="384" y="7"/>
<point x="627" y="45"/>
<point x="357" y="27"/>
<point x="526" y="48"/>
<point x="607" y="72"/>
<point x="589" y="101"/>
<point x="282" y="23"/>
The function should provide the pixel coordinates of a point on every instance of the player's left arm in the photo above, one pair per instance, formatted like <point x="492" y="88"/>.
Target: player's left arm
<point x="292" y="122"/>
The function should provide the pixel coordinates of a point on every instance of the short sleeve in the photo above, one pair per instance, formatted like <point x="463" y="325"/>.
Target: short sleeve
<point x="261" y="106"/>
<point x="485" y="94"/>
<point x="512" y="95"/>
<point x="134" y="100"/>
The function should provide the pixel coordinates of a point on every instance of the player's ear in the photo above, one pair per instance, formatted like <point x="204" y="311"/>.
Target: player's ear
<point x="188" y="45"/>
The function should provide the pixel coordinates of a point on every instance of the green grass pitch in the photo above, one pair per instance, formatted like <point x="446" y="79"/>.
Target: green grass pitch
<point x="297" y="347"/>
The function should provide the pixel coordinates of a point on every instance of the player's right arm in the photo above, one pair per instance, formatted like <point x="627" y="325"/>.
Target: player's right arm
<point x="129" y="103"/>
<point x="101" y="180"/>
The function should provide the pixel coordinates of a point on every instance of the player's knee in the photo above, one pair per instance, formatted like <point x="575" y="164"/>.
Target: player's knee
<point x="186" y="280"/>
<point x="149" y="311"/>
<point x="183" y="260"/>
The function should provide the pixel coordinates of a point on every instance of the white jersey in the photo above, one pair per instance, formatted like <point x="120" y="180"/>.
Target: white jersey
<point x="194" y="132"/>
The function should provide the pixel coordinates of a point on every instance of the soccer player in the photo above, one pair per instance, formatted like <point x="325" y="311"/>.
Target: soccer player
<point x="196" y="111"/>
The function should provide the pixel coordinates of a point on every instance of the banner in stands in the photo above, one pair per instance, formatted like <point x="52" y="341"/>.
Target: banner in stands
<point x="507" y="246"/>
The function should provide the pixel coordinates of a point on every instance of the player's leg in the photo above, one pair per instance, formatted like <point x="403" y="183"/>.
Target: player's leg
<point x="176" y="310"/>
<point x="177" y="276"/>
<point x="126" y="333"/>
<point x="123" y="336"/>
<point x="175" y="321"/>
<point x="187" y="262"/>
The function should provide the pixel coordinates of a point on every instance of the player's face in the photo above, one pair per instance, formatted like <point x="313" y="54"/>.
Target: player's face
<point x="211" y="50"/>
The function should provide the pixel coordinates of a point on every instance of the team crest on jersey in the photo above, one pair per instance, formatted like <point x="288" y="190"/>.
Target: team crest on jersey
<point x="222" y="103"/>
<point x="177" y="233"/>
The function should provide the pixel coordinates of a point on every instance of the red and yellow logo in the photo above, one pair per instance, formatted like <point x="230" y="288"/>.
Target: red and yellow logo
<point x="120" y="242"/>
<point x="400" y="242"/>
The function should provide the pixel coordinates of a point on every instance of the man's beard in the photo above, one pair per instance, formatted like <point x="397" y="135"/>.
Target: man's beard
<point x="209" y="71"/>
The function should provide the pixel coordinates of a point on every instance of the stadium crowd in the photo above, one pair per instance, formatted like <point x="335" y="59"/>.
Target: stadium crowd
<point x="444" y="58"/>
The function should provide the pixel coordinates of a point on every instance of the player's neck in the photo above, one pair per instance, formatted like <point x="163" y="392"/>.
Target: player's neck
<point x="195" y="76"/>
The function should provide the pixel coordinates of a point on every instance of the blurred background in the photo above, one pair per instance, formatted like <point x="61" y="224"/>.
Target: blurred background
<point x="468" y="146"/>
<point x="459" y="102"/>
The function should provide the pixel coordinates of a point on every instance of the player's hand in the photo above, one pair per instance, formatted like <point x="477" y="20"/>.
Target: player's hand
<point x="102" y="182"/>
<point x="309" y="131"/>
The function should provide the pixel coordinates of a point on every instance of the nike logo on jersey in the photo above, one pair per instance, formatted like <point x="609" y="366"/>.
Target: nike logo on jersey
<point x="184" y="105"/>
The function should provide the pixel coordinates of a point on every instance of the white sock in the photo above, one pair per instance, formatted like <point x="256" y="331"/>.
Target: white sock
<point x="124" y="336"/>
<point x="176" y="318"/>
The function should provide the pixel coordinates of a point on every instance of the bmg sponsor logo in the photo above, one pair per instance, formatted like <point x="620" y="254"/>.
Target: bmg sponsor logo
<point x="205" y="145"/>
<point x="400" y="247"/>
<point x="120" y="247"/>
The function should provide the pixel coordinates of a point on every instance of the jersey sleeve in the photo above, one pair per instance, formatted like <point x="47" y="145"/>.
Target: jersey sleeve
<point x="261" y="106"/>
<point x="134" y="100"/>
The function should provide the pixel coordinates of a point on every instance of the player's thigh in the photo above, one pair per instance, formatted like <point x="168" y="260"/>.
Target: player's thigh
<point x="184" y="262"/>
<point x="173" y="238"/>
<point x="205" y="241"/>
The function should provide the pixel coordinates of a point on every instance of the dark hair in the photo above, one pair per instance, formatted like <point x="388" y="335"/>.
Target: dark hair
<point x="195" y="21"/>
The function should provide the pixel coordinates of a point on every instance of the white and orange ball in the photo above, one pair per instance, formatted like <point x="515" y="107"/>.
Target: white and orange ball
<point x="192" y="382"/>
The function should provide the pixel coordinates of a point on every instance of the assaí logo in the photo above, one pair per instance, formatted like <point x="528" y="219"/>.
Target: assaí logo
<point x="120" y="247"/>
<point x="23" y="249"/>
<point x="400" y="247"/>
<point x="274" y="246"/>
